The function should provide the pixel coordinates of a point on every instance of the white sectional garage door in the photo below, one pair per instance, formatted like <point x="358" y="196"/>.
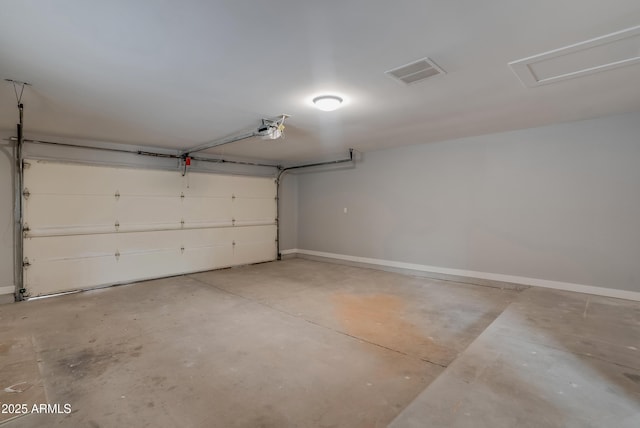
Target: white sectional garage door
<point x="88" y="226"/>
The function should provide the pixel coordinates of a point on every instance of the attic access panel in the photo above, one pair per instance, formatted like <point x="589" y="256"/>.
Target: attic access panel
<point x="607" y="52"/>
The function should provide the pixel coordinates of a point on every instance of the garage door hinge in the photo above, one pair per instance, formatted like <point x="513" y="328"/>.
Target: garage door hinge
<point x="233" y="243"/>
<point x="182" y="223"/>
<point x="26" y="193"/>
<point x="233" y="222"/>
<point x="117" y="195"/>
<point x="233" y="196"/>
<point x="117" y="254"/>
<point x="25" y="228"/>
<point x="25" y="263"/>
<point x="117" y="225"/>
<point x="182" y="195"/>
<point x="182" y="249"/>
<point x="25" y="165"/>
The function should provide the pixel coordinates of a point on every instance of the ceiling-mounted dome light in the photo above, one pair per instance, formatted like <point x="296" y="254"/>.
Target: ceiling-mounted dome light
<point x="327" y="102"/>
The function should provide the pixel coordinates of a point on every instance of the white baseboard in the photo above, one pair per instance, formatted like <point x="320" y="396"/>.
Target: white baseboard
<point x="9" y="289"/>
<point x="557" y="285"/>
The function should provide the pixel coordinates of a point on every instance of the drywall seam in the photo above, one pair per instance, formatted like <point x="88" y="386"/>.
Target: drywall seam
<point x="557" y="285"/>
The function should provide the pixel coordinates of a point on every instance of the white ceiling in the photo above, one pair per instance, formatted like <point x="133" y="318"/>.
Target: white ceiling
<point x="178" y="73"/>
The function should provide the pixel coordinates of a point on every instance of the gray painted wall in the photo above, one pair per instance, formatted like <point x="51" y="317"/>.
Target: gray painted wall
<point x="558" y="203"/>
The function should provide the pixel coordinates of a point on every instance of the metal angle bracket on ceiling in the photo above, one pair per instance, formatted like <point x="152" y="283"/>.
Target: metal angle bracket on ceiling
<point x="269" y="129"/>
<point x="17" y="83"/>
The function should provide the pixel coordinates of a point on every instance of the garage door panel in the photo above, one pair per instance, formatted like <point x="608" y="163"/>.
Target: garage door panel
<point x="209" y="185"/>
<point x="89" y="229"/>
<point x="149" y="210"/>
<point x="255" y="234"/>
<point x="45" y="211"/>
<point x="53" y="178"/>
<point x="146" y="241"/>
<point x="254" y="244"/>
<point x="147" y="264"/>
<point x="209" y="257"/>
<point x="147" y="182"/>
<point x="256" y="209"/>
<point x="192" y="238"/>
<point x="53" y="276"/>
<point x="207" y="211"/>
<point x="254" y="187"/>
<point x="69" y="247"/>
<point x="255" y="253"/>
<point x="208" y="248"/>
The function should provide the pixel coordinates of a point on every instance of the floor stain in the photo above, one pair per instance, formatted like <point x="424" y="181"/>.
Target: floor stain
<point x="88" y="362"/>
<point x="158" y="380"/>
<point x="379" y="318"/>
<point x="634" y="377"/>
<point x="136" y="351"/>
<point x="4" y="348"/>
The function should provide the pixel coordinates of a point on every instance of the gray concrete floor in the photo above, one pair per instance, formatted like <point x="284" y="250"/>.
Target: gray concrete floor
<point x="300" y="343"/>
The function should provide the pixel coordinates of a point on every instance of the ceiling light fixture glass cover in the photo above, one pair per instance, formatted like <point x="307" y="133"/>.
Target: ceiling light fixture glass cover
<point x="327" y="102"/>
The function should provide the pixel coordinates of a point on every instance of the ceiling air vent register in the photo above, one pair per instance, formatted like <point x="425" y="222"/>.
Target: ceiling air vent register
<point x="416" y="71"/>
